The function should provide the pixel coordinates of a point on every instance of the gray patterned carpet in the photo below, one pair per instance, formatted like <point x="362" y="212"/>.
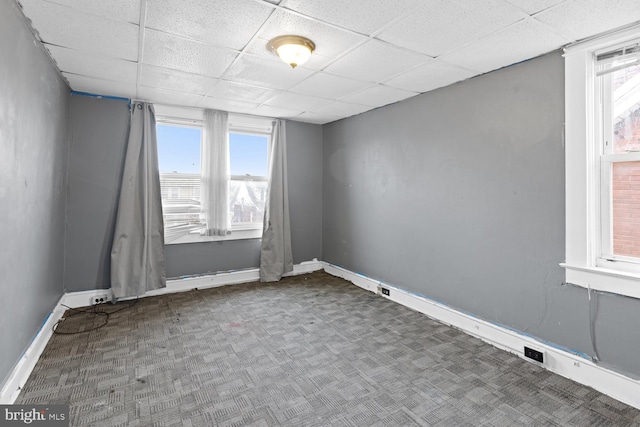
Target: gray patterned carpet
<point x="311" y="350"/>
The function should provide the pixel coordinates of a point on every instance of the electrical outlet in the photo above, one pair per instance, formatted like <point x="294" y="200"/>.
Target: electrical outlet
<point x="100" y="298"/>
<point x="533" y="354"/>
<point x="385" y="291"/>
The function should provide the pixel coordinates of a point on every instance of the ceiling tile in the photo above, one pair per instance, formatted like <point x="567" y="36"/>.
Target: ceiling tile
<point x="342" y="109"/>
<point x="534" y="6"/>
<point x="364" y="16"/>
<point x="326" y="85"/>
<point x="178" y="81"/>
<point x="241" y="92"/>
<point x="583" y="18"/>
<point x="228" y="23"/>
<point x="297" y="101"/>
<point x="227" y="105"/>
<point x="329" y="41"/>
<point x="264" y="72"/>
<point x="100" y="87"/>
<point x="168" y="97"/>
<point x="101" y="67"/>
<point x="442" y="25"/>
<point x="521" y="41"/>
<point x="269" y="111"/>
<point x="375" y="61"/>
<point x="432" y="75"/>
<point x="168" y="51"/>
<point x="317" y="118"/>
<point x="378" y="96"/>
<point x="67" y="27"/>
<point x="121" y="10"/>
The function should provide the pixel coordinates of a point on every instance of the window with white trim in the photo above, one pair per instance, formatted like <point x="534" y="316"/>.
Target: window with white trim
<point x="602" y="94"/>
<point x="179" y="154"/>
<point x="618" y="138"/>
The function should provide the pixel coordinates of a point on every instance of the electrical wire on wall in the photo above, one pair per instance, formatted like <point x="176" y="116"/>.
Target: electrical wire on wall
<point x="593" y="308"/>
<point x="593" y="299"/>
<point x="78" y="321"/>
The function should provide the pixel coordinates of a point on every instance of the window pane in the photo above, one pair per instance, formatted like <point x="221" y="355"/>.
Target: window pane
<point x="626" y="208"/>
<point x="246" y="200"/>
<point x="179" y="164"/>
<point x="248" y="154"/>
<point x="178" y="149"/>
<point x="626" y="109"/>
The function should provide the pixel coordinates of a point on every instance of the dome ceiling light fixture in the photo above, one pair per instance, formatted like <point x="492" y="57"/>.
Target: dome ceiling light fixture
<point x="294" y="50"/>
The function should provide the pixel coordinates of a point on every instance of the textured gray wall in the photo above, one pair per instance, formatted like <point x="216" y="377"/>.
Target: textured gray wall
<point x="34" y="116"/>
<point x="99" y="130"/>
<point x="209" y="257"/>
<point x="458" y="195"/>
<point x="304" y="161"/>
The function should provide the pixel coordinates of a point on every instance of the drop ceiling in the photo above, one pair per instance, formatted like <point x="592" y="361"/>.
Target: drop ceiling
<point x="369" y="53"/>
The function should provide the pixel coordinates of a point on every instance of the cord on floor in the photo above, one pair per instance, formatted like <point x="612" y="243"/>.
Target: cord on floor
<point x="93" y="310"/>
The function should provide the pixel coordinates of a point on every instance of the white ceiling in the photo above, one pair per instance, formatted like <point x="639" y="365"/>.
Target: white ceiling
<point x="370" y="53"/>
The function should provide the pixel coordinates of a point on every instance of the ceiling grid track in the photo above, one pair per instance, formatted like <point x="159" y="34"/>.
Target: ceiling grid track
<point x="242" y="52"/>
<point x="141" y="34"/>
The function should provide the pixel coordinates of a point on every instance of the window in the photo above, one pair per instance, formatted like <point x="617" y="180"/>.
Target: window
<point x="249" y="175"/>
<point x="602" y="84"/>
<point x="618" y="98"/>
<point x="179" y="153"/>
<point x="179" y="166"/>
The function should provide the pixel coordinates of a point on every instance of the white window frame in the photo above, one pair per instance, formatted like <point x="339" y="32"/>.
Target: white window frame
<point x="585" y="266"/>
<point x="192" y="117"/>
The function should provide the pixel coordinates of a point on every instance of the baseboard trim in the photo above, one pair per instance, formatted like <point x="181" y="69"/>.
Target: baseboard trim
<point x="83" y="298"/>
<point x="20" y="373"/>
<point x="185" y="284"/>
<point x="229" y="278"/>
<point x="564" y="362"/>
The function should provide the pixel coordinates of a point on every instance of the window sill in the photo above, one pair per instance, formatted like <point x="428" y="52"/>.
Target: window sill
<point x="255" y="233"/>
<point x="604" y="279"/>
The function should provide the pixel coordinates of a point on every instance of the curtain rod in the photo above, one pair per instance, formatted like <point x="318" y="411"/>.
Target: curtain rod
<point x="202" y="109"/>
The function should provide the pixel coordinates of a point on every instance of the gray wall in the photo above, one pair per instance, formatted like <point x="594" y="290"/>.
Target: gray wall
<point x="99" y="130"/>
<point x="458" y="195"/>
<point x="304" y="161"/>
<point x="34" y="115"/>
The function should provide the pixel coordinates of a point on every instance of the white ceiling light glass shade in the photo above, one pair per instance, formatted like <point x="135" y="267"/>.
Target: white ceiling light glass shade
<point x="294" y="50"/>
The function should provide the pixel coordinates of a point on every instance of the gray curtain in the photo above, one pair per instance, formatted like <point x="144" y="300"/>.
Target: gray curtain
<point x="137" y="254"/>
<point x="275" y="252"/>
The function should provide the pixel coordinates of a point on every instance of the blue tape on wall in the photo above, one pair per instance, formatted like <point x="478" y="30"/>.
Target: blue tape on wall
<point x="94" y="95"/>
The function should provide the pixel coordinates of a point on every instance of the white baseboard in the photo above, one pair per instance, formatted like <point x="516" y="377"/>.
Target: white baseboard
<point x="82" y="299"/>
<point x="20" y="373"/>
<point x="558" y="360"/>
<point x="228" y="278"/>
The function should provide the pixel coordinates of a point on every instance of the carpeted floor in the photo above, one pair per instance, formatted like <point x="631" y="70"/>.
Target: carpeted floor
<point x="311" y="350"/>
